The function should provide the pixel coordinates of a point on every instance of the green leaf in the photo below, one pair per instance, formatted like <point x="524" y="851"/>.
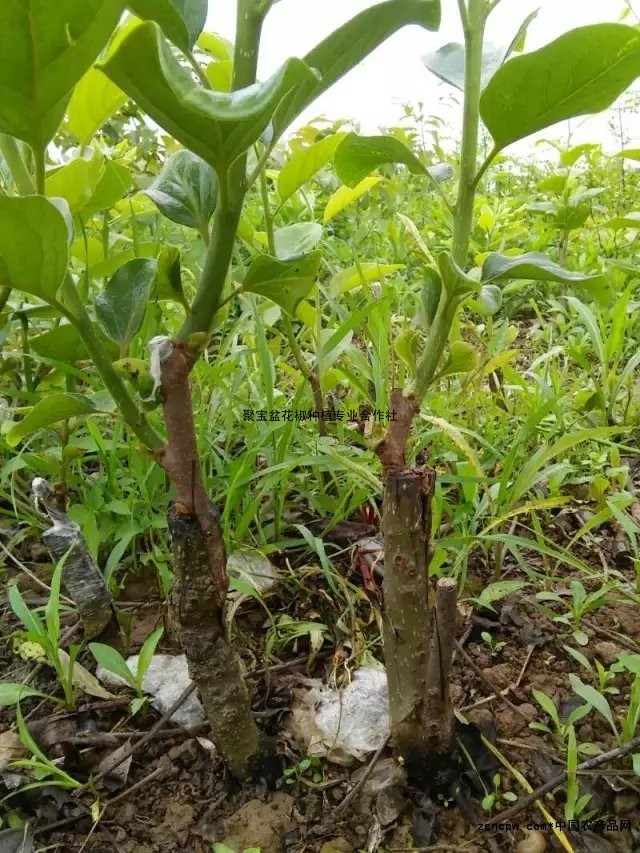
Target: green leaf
<point x="490" y="298"/>
<point x="628" y="220"/>
<point x="94" y="101"/>
<point x="593" y="697"/>
<point x="406" y="347"/>
<point x="456" y="282"/>
<point x="63" y="343"/>
<point x="11" y="692"/>
<point x="52" y="607"/>
<point x="358" y="156"/>
<point x="181" y="20"/>
<point x="146" y="653"/>
<point x="630" y="663"/>
<point x="349" y="45"/>
<point x="284" y="282"/>
<point x="82" y="678"/>
<point x="531" y="265"/>
<point x="356" y="276"/>
<point x="497" y="591"/>
<point x="303" y="164"/>
<point x="194" y="14"/>
<point x="168" y="280"/>
<point x="47" y="47"/>
<point x="591" y="325"/>
<point x="113" y="184"/>
<point x="167" y="14"/>
<point x="34" y="247"/>
<point x="50" y="410"/>
<point x="121" y="306"/>
<point x="216" y="126"/>
<point x="462" y="359"/>
<point x="572" y="155"/>
<point x="186" y="190"/>
<point x="429" y="299"/>
<point x="220" y="75"/>
<point x="547" y="704"/>
<point x="76" y="182"/>
<point x="215" y="46"/>
<point x="581" y="72"/>
<point x="29" y="619"/>
<point x="344" y="196"/>
<point x="298" y="239"/>
<point x="60" y="342"/>
<point x="629" y="154"/>
<point x="111" y="660"/>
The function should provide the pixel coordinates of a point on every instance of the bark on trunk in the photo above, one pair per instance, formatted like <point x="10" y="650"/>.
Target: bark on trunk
<point x="199" y="594"/>
<point x="418" y="636"/>
<point x="198" y="624"/>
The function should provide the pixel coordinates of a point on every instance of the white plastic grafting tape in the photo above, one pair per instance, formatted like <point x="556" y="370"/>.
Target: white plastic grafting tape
<point x="160" y="349"/>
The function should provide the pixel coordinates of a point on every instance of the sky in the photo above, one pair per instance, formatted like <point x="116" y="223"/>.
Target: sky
<point x="373" y="93"/>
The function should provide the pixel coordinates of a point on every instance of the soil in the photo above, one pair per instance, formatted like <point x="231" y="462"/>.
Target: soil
<point x="176" y="795"/>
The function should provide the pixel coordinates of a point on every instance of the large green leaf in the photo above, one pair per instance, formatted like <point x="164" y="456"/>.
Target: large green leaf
<point x="349" y="45"/>
<point x="121" y="306"/>
<point x="304" y="163"/>
<point x="358" y="156"/>
<point x="185" y="191"/>
<point x="298" y="239"/>
<point x="364" y="272"/>
<point x="50" y="410"/>
<point x="194" y="14"/>
<point x="34" y="248"/>
<point x="47" y="47"/>
<point x="168" y="280"/>
<point x="95" y="99"/>
<point x="581" y="72"/>
<point x="532" y="265"/>
<point x="182" y="21"/>
<point x="218" y="126"/>
<point x="627" y="220"/>
<point x="76" y="181"/>
<point x="63" y="343"/>
<point x="113" y="184"/>
<point x="284" y="282"/>
<point x="344" y="196"/>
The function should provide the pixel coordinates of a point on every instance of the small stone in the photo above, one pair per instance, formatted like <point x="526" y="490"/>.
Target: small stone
<point x="386" y="774"/>
<point x="337" y="845"/>
<point x="480" y="717"/>
<point x="389" y="804"/>
<point x="607" y="652"/>
<point x="534" y="842"/>
<point x="528" y="711"/>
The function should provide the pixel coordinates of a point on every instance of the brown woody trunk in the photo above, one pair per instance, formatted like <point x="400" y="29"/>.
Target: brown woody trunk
<point x="198" y="625"/>
<point x="199" y="594"/>
<point x="418" y="635"/>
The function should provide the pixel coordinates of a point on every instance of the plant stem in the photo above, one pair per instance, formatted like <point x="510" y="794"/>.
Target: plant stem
<point x="135" y="419"/>
<point x="39" y="155"/>
<point x="268" y="219"/>
<point x="435" y="344"/>
<point x="13" y="156"/>
<point x="233" y="186"/>
<point x="202" y="77"/>
<point x="473" y="36"/>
